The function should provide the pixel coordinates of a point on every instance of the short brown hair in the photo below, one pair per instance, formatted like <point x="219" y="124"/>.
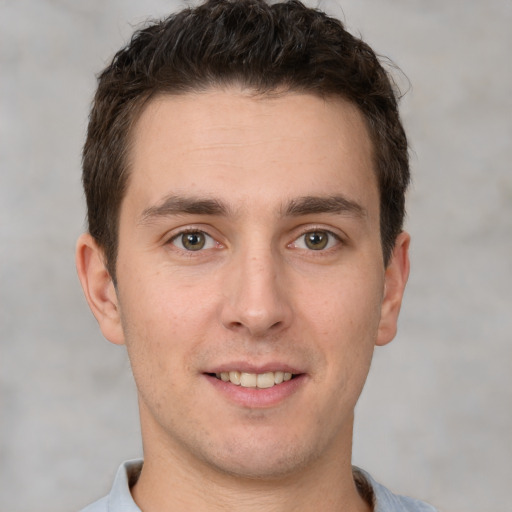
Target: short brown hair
<point x="266" y="48"/>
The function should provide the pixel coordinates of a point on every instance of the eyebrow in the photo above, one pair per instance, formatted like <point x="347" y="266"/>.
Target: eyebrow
<point x="307" y="205"/>
<point x="180" y="205"/>
<point x="324" y="204"/>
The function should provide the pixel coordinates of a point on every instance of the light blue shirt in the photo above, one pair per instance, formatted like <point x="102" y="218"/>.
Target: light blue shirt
<point x="120" y="499"/>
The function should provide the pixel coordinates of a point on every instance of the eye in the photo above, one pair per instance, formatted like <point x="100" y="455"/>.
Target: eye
<point x="317" y="240"/>
<point x="193" y="241"/>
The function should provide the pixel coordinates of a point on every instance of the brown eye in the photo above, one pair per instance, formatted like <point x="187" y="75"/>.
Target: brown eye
<point x="316" y="240"/>
<point x="193" y="241"/>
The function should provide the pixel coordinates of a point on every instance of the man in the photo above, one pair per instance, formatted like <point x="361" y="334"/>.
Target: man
<point x="245" y="171"/>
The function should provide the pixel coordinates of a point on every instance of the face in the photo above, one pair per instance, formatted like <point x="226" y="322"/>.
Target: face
<point x="251" y="284"/>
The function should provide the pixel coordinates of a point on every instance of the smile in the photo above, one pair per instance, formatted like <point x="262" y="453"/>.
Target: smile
<point x="254" y="380"/>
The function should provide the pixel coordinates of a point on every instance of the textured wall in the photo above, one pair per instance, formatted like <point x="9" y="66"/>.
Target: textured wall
<point x="435" y="419"/>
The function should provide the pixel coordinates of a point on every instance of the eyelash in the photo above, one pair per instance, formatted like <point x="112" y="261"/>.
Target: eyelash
<point x="184" y="232"/>
<point x="333" y="240"/>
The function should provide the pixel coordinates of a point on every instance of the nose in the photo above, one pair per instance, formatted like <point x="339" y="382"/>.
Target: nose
<point x="257" y="300"/>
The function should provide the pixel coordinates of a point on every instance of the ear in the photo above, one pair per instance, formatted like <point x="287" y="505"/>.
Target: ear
<point x="395" y="279"/>
<point x="98" y="288"/>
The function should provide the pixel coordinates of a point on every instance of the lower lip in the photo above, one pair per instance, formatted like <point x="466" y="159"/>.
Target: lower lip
<point x="256" y="398"/>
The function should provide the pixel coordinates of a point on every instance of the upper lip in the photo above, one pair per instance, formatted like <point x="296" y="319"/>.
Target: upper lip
<point x="246" y="367"/>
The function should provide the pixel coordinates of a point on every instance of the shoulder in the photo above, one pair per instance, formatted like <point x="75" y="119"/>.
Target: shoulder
<point x="385" y="501"/>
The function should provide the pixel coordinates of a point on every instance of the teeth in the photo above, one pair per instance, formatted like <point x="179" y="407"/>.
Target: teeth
<point x="235" y="377"/>
<point x="254" y="380"/>
<point x="265" y="380"/>
<point x="248" y="380"/>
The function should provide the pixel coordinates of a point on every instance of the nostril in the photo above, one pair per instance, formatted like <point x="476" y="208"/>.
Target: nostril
<point x="255" y="318"/>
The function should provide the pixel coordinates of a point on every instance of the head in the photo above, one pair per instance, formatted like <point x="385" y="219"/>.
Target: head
<point x="245" y="171"/>
<point x="266" y="49"/>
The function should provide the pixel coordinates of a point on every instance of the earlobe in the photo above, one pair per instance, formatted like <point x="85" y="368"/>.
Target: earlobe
<point x="397" y="273"/>
<point x="98" y="288"/>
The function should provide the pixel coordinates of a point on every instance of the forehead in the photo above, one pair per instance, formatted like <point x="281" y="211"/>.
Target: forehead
<point x="231" y="143"/>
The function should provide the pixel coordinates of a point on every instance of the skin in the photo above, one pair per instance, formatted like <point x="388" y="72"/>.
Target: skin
<point x="256" y="295"/>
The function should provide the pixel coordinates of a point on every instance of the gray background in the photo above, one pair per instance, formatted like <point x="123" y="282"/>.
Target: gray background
<point x="435" y="420"/>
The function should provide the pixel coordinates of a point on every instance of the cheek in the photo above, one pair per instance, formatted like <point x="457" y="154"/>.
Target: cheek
<point x="166" y="300"/>
<point x="345" y="307"/>
<point x="156" y="354"/>
<point x="344" y="321"/>
<point x="164" y="319"/>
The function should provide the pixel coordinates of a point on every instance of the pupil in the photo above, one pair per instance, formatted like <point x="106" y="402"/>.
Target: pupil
<point x="316" y="240"/>
<point x="193" y="241"/>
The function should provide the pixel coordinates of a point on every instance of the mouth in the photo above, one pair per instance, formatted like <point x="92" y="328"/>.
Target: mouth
<point x="254" y="380"/>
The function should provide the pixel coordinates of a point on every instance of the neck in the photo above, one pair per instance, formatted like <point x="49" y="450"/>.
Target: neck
<point x="171" y="479"/>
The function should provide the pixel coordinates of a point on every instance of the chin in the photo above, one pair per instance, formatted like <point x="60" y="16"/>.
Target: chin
<point x="261" y="461"/>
